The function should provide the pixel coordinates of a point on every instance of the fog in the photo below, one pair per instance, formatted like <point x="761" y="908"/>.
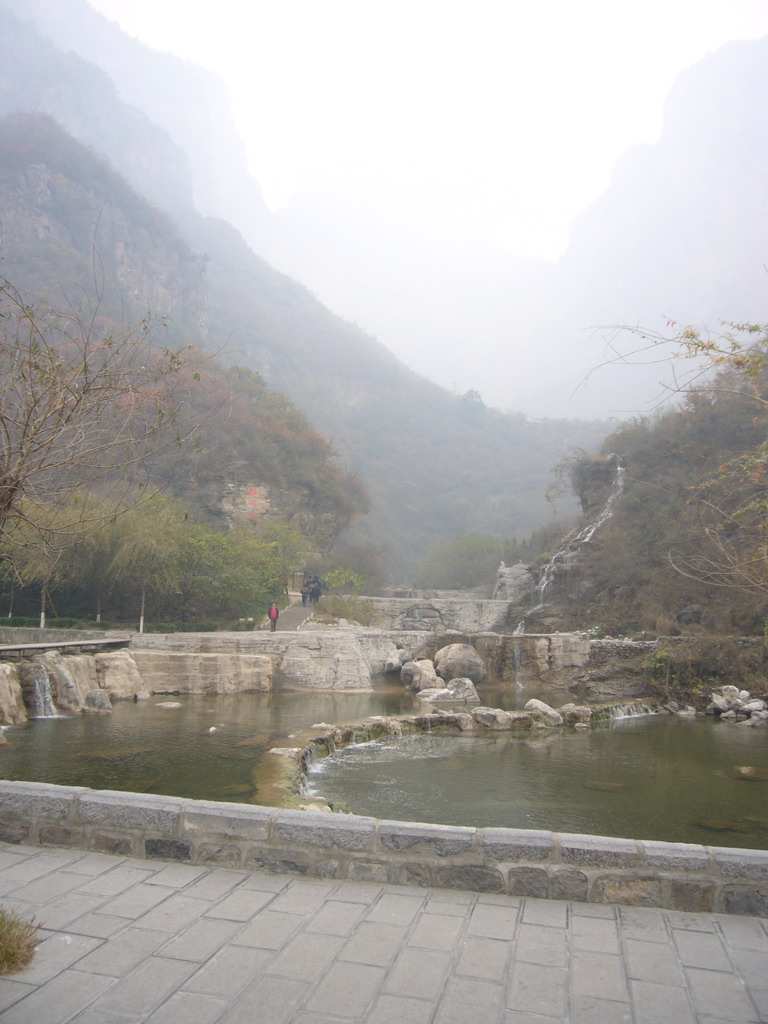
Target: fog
<point x="487" y="188"/>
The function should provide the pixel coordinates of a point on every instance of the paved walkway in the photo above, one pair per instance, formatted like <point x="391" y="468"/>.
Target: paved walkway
<point x="127" y="940"/>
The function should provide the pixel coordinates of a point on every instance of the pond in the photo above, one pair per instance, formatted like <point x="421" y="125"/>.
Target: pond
<point x="645" y="778"/>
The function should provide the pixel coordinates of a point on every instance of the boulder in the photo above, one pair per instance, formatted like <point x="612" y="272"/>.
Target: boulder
<point x="457" y="689"/>
<point x="538" y="705"/>
<point x="97" y="700"/>
<point x="576" y="714"/>
<point x="460" y="661"/>
<point x="118" y="675"/>
<point x="419" y="675"/>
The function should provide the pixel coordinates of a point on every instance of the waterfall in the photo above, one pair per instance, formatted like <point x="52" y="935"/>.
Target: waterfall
<point x="517" y="659"/>
<point x="636" y="709"/>
<point x="43" y="705"/>
<point x="574" y="541"/>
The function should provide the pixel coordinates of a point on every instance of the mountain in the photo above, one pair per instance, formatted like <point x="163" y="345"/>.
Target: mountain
<point x="436" y="465"/>
<point x="681" y="232"/>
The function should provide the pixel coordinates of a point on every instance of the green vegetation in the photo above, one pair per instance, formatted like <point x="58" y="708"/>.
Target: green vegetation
<point x="18" y="938"/>
<point x="686" y="550"/>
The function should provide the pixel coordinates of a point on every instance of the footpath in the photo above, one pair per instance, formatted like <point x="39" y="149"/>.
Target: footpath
<point x="127" y="940"/>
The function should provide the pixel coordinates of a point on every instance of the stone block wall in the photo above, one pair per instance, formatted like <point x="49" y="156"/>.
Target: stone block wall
<point x="519" y="862"/>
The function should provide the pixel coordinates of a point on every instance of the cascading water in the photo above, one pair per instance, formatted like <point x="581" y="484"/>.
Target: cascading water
<point x="574" y="541"/>
<point x="517" y="658"/>
<point x="43" y="705"/>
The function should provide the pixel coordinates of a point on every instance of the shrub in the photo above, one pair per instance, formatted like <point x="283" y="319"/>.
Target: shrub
<point x="18" y="938"/>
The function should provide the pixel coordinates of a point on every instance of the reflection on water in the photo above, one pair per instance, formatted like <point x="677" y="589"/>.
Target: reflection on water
<point x="644" y="778"/>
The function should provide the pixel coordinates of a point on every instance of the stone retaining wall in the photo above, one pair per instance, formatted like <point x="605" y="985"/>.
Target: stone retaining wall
<point x="519" y="862"/>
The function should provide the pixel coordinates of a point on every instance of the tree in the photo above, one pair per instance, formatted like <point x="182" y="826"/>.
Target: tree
<point x="724" y="375"/>
<point x="80" y="409"/>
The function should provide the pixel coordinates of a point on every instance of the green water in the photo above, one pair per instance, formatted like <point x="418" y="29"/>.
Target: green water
<point x="655" y="777"/>
<point x="644" y="778"/>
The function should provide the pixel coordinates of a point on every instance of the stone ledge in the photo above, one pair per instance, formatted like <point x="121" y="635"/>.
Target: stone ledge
<point x="519" y="862"/>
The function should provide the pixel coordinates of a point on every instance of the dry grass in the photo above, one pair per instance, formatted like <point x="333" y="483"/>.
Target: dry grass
<point x="17" y="941"/>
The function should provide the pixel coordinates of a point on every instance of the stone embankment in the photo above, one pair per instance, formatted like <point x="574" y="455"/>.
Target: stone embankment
<point x="519" y="862"/>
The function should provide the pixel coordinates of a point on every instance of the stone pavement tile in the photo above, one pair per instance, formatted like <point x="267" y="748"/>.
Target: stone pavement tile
<point x="393" y="908"/>
<point x="146" y="988"/>
<point x="744" y="932"/>
<point x="267" y="883"/>
<point x="485" y="997"/>
<point x="653" y="961"/>
<point x="436" y="931"/>
<point x="301" y="898"/>
<point x="374" y="944"/>
<point x="598" y="934"/>
<point x="268" y="930"/>
<point x="56" y="953"/>
<point x="453" y="897"/>
<point x="215" y="884"/>
<point x="100" y="926"/>
<point x="701" y="949"/>
<point x="644" y="924"/>
<point x="399" y="1010"/>
<point x="605" y="910"/>
<point x="228" y="972"/>
<point x="691" y="922"/>
<point x="537" y="989"/>
<point x="117" y="956"/>
<point x="600" y="973"/>
<point x="267" y="999"/>
<point x="34" y="866"/>
<point x="462" y="1013"/>
<point x="501" y="899"/>
<point x="241" y="905"/>
<point x="549" y="912"/>
<point x="752" y="968"/>
<point x="335" y="918"/>
<point x="358" y="892"/>
<point x="450" y="907"/>
<point x="136" y="901"/>
<point x="306" y="956"/>
<point x="62" y="912"/>
<point x="58" y="1000"/>
<point x="346" y="991"/>
<point x="484" y="958"/>
<point x="173" y="914"/>
<point x="492" y="922"/>
<point x="539" y="944"/>
<point x="593" y="1010"/>
<point x="189" y="1008"/>
<point x="719" y="995"/>
<point x="760" y="999"/>
<point x="11" y="991"/>
<point x="112" y="883"/>
<point x="92" y="864"/>
<point x="176" y="876"/>
<point x="318" y="1018"/>
<point x="520" y="1017"/>
<point x="418" y="973"/>
<point x="105" y="1017"/>
<point x="200" y="941"/>
<point x="660" y="1004"/>
<point x="41" y="890"/>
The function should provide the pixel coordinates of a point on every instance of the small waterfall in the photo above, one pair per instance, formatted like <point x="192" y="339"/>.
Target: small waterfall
<point x="636" y="709"/>
<point x="43" y="705"/>
<point x="517" y="660"/>
<point x="573" y="542"/>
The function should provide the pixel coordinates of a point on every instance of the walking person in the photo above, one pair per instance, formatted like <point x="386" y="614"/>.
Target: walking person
<point x="274" y="615"/>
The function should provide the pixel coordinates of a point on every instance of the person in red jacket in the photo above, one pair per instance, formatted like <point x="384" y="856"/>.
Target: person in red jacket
<point x="274" y="615"/>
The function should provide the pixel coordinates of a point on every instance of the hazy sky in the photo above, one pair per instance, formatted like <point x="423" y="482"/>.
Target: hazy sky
<point x="489" y="120"/>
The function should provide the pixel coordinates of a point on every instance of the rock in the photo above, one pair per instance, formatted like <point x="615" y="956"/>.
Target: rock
<point x="754" y="705"/>
<point x="749" y="773"/>
<point x="457" y="689"/>
<point x="513" y="582"/>
<point x="419" y="675"/>
<point x="119" y="675"/>
<point x="97" y="700"/>
<point x="460" y="661"/>
<point x="731" y="693"/>
<point x="492" y="718"/>
<point x="168" y="705"/>
<point x="576" y="714"/>
<point x="538" y="705"/>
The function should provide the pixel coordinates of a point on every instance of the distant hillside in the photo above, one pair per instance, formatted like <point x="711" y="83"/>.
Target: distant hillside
<point x="684" y="548"/>
<point x="436" y="465"/>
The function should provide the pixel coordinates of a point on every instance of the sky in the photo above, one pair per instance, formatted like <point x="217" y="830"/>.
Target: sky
<point x="491" y="121"/>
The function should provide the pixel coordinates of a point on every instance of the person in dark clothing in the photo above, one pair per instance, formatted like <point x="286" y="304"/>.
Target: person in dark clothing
<point x="274" y="615"/>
